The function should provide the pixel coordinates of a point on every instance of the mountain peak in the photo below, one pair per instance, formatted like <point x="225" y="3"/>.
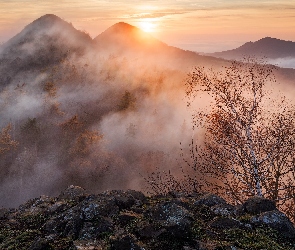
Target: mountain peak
<point x="48" y="18"/>
<point x="123" y="26"/>
<point x="123" y="36"/>
<point x="124" y="29"/>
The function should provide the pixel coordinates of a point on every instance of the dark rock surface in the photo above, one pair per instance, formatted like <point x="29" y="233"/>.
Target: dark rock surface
<point x="257" y="205"/>
<point x="125" y="220"/>
<point x="276" y="220"/>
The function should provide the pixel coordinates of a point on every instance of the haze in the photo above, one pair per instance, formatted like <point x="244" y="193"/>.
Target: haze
<point x="203" y="26"/>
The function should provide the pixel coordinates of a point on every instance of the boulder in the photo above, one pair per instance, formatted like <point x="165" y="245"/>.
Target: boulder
<point x="126" y="199"/>
<point x="95" y="207"/>
<point x="68" y="223"/>
<point x="95" y="230"/>
<point x="225" y="210"/>
<point x="73" y="193"/>
<point x="148" y="231"/>
<point x="275" y="220"/>
<point x="174" y="218"/>
<point x="125" y="242"/>
<point x="3" y="213"/>
<point x="256" y="205"/>
<point x="126" y="218"/>
<point x="210" y="200"/>
<point x="40" y="244"/>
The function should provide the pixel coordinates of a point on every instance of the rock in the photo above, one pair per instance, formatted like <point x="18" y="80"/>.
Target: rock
<point x="126" y="199"/>
<point x="210" y="200"/>
<point x="149" y="231"/>
<point x="68" y="223"/>
<point x="40" y="244"/>
<point x="125" y="242"/>
<point x="256" y="205"/>
<point x="223" y="210"/>
<point x="73" y="193"/>
<point x="57" y="207"/>
<point x="126" y="218"/>
<point x="275" y="220"/>
<point x="225" y="223"/>
<point x="95" y="207"/>
<point x="174" y="218"/>
<point x="93" y="231"/>
<point x="3" y="213"/>
<point x="129" y="220"/>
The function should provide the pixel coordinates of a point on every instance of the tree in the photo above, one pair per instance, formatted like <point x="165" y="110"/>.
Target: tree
<point x="6" y="142"/>
<point x="249" y="138"/>
<point x="127" y="101"/>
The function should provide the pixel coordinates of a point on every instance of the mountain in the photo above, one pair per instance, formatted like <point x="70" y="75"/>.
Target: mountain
<point x="126" y="40"/>
<point x="45" y="42"/>
<point x="46" y="31"/>
<point x="94" y="112"/>
<point x="268" y="47"/>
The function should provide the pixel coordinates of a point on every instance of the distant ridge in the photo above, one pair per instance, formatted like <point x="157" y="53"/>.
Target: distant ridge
<point x="271" y="48"/>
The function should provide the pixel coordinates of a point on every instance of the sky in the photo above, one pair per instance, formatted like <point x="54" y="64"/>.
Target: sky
<point x="197" y="25"/>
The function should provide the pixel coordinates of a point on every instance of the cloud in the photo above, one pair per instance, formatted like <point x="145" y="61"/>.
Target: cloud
<point x="154" y="15"/>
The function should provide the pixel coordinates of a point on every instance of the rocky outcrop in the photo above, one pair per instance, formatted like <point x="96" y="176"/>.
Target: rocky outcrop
<point x="125" y="220"/>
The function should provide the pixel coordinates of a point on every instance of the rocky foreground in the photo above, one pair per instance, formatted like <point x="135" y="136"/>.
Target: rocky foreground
<point x="126" y="220"/>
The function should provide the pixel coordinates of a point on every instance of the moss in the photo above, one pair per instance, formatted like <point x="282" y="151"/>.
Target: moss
<point x="63" y="244"/>
<point x="20" y="240"/>
<point x="260" y="238"/>
<point x="33" y="221"/>
<point x="245" y="218"/>
<point x="198" y="230"/>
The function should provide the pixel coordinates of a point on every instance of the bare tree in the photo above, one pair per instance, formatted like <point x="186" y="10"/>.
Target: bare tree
<point x="249" y="138"/>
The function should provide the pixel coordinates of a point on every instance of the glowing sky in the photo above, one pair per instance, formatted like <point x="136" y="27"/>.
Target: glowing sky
<point x="199" y="25"/>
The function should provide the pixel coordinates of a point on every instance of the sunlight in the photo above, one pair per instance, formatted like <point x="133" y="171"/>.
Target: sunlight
<point x="147" y="26"/>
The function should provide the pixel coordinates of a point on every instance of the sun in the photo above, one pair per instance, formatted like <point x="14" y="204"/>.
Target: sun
<point x="147" y="26"/>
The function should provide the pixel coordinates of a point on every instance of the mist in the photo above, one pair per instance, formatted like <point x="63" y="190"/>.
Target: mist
<point x="91" y="113"/>
<point x="285" y="62"/>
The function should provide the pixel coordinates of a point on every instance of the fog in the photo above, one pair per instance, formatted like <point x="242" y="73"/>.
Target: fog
<point x="286" y="62"/>
<point x="84" y="112"/>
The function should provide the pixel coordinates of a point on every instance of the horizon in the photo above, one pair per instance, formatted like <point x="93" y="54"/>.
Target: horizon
<point x="195" y="26"/>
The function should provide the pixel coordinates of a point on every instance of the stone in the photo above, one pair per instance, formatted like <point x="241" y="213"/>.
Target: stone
<point x="125" y="242"/>
<point x="149" y="231"/>
<point x="210" y="200"/>
<point x="68" y="223"/>
<point x="3" y="213"/>
<point x="73" y="193"/>
<point x="225" y="210"/>
<point x="275" y="220"/>
<point x="40" y="244"/>
<point x="93" y="231"/>
<point x="125" y="218"/>
<point x="95" y="207"/>
<point x="126" y="199"/>
<point x="256" y="205"/>
<point x="174" y="218"/>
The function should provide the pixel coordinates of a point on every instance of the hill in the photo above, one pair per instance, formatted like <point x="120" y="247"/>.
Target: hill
<point x="124" y="220"/>
<point x="268" y="47"/>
